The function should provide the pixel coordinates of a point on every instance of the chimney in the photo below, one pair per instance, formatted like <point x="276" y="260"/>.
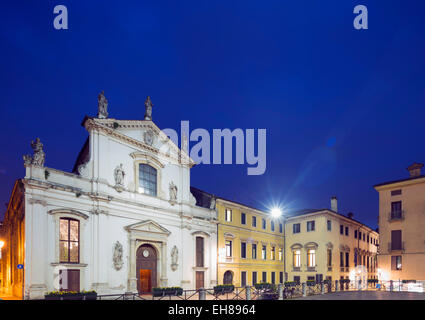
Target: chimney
<point x="350" y="215"/>
<point x="415" y="169"/>
<point x="334" y="204"/>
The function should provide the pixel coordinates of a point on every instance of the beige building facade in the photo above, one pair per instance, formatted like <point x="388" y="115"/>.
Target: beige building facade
<point x="401" y="227"/>
<point x="326" y="245"/>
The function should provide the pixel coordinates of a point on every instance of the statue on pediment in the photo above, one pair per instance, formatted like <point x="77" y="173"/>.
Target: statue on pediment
<point x="39" y="156"/>
<point x="148" y="108"/>
<point x="102" y="106"/>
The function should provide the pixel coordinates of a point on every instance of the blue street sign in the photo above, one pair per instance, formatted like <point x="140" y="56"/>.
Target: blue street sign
<point x="20" y="266"/>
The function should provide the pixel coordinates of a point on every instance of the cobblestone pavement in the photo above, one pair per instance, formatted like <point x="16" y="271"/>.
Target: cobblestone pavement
<point x="367" y="295"/>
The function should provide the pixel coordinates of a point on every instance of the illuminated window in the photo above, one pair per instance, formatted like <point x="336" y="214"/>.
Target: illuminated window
<point x="147" y="179"/>
<point x="228" y="248"/>
<point x="273" y="253"/>
<point x="297" y="258"/>
<point x="280" y="254"/>
<point x="396" y="263"/>
<point x="69" y="240"/>
<point x="228" y="215"/>
<point x="311" y="258"/>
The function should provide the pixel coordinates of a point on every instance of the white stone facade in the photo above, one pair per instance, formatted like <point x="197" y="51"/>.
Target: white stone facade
<point x="111" y="208"/>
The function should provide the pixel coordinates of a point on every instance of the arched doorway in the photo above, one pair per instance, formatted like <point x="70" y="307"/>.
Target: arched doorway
<point x="228" y="277"/>
<point x="146" y="268"/>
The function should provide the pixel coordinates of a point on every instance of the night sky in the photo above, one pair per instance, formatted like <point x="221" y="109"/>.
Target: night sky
<point x="343" y="108"/>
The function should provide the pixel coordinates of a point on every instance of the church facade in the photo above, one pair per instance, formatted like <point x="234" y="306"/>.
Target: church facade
<point x="124" y="220"/>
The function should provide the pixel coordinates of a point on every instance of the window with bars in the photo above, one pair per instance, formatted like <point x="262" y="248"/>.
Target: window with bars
<point x="69" y="240"/>
<point x="147" y="179"/>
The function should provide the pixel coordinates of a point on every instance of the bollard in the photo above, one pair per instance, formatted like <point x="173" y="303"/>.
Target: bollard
<point x="128" y="295"/>
<point x="360" y="285"/>
<point x="202" y="294"/>
<point x="304" y="287"/>
<point x="336" y="285"/>
<point x="280" y="290"/>
<point x="391" y="286"/>
<point x="323" y="288"/>
<point x="248" y="293"/>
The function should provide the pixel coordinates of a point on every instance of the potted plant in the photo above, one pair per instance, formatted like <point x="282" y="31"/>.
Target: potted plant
<point x="64" y="295"/>
<point x="310" y="283"/>
<point x="158" y="292"/>
<point x="90" y="295"/>
<point x="264" y="286"/>
<point x="224" y="288"/>
<point x="290" y="283"/>
<point x="174" y="291"/>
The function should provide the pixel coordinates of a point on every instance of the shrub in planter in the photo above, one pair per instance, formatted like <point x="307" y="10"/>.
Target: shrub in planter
<point x="158" y="292"/>
<point x="265" y="286"/>
<point x="224" y="288"/>
<point x="90" y="295"/>
<point x="64" y="295"/>
<point x="290" y="283"/>
<point x="310" y="283"/>
<point x="174" y="291"/>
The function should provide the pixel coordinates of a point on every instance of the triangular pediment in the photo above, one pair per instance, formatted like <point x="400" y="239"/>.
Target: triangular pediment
<point x="149" y="226"/>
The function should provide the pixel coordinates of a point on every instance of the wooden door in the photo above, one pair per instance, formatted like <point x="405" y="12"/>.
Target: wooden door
<point x="69" y="280"/>
<point x="146" y="268"/>
<point x="199" y="279"/>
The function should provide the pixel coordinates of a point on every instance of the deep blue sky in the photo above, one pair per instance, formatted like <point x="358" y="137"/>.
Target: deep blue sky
<point x="343" y="109"/>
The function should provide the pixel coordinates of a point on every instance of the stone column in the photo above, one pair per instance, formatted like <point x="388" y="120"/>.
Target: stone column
<point x="248" y="293"/>
<point x="304" y="288"/>
<point x="132" y="279"/>
<point x="163" y="278"/>
<point x="280" y="290"/>
<point x="322" y="288"/>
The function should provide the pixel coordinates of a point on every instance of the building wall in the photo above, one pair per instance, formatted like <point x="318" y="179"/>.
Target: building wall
<point x="412" y="227"/>
<point x="321" y="239"/>
<point x="236" y="232"/>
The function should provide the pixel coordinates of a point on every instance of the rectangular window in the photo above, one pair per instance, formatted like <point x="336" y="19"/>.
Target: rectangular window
<point x="243" y="218"/>
<point x="264" y="253"/>
<point x="396" y="243"/>
<point x="228" y="248"/>
<point x="264" y="280"/>
<point x="254" y="277"/>
<point x="280" y="277"/>
<point x="296" y="228"/>
<point x="254" y="221"/>
<point x="367" y="239"/>
<point x="228" y="215"/>
<point x="355" y="234"/>
<point x="355" y="258"/>
<point x="280" y="228"/>
<point x="297" y="279"/>
<point x="254" y="251"/>
<point x="69" y="240"/>
<point x="264" y="224"/>
<point x="273" y="253"/>
<point x="199" y="251"/>
<point x="243" y="250"/>
<point x="329" y="258"/>
<point x="341" y="259"/>
<point x="396" y="210"/>
<point x="341" y="229"/>
<point x="311" y="258"/>
<point x="364" y="236"/>
<point x="360" y="235"/>
<point x="272" y="226"/>
<point x="347" y="259"/>
<point x="346" y="231"/>
<point x="329" y="225"/>
<point x="396" y="192"/>
<point x="396" y="263"/>
<point x="310" y="226"/>
<point x="280" y="254"/>
<point x="243" y="278"/>
<point x="273" y="277"/>
<point x="297" y="258"/>
<point x="147" y="179"/>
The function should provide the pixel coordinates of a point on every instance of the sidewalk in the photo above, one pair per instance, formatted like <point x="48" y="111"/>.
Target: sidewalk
<point x="5" y="297"/>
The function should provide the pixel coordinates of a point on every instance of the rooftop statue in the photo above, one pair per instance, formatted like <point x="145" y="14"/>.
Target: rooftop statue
<point x="39" y="155"/>
<point x="148" y="106"/>
<point x="102" y="106"/>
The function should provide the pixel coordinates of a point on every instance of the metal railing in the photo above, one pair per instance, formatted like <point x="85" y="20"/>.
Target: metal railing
<point x="394" y="247"/>
<point x="396" y="215"/>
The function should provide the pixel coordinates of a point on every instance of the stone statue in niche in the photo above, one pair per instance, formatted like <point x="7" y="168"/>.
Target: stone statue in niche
<point x="117" y="257"/>
<point x="174" y="258"/>
<point x="148" y="108"/>
<point x="119" y="175"/>
<point x="39" y="155"/>
<point x="102" y="106"/>
<point x="173" y="192"/>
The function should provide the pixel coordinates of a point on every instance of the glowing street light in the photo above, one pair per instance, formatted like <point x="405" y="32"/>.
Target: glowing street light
<point x="1" y="246"/>
<point x="276" y="212"/>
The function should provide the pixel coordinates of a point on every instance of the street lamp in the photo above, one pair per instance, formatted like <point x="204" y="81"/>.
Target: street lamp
<point x="1" y="246"/>
<point x="276" y="212"/>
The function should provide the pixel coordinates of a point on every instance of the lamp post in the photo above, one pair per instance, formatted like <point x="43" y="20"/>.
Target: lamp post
<point x="276" y="213"/>
<point x="1" y="246"/>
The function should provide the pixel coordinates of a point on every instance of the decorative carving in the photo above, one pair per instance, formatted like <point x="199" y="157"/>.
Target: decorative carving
<point x="174" y="258"/>
<point x="102" y="106"/>
<point x="148" y="108"/>
<point x="119" y="175"/>
<point x="148" y="137"/>
<point x="173" y="193"/>
<point x="39" y="155"/>
<point x="83" y="170"/>
<point x="118" y="252"/>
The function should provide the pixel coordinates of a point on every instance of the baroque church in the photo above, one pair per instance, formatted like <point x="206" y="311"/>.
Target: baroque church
<point x="124" y="220"/>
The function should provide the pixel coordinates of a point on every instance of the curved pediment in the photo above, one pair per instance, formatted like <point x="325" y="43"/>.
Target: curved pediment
<point x="296" y="246"/>
<point x="69" y="212"/>
<point x="311" y="245"/>
<point x="329" y="245"/>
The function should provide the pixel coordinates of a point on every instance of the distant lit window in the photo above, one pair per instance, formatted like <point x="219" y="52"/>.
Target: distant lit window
<point x="311" y="258"/>
<point x="280" y="254"/>
<point x="228" y="215"/>
<point x="147" y="179"/>
<point x="297" y="258"/>
<point x="228" y="248"/>
<point x="69" y="240"/>
<point x="396" y="263"/>
<point x="329" y="258"/>
<point x="273" y="253"/>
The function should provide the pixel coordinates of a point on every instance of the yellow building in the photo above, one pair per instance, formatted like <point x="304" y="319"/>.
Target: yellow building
<point x="401" y="226"/>
<point x="326" y="245"/>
